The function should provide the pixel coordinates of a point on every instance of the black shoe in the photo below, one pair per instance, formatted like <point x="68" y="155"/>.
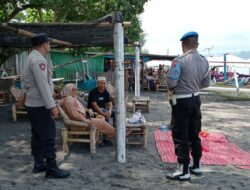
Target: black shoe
<point x="57" y="173"/>
<point x="181" y="174"/>
<point x="38" y="168"/>
<point x="195" y="167"/>
<point x="180" y="177"/>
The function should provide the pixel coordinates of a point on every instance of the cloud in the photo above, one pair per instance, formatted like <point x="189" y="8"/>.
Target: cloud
<point x="222" y="24"/>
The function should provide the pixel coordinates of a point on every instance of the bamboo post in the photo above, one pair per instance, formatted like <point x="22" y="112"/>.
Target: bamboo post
<point x="14" y="116"/>
<point x="145" y="136"/>
<point x="236" y="80"/>
<point x="137" y="69"/>
<point x="65" y="139"/>
<point x="225" y="66"/>
<point x="118" y="36"/>
<point x="92" y="133"/>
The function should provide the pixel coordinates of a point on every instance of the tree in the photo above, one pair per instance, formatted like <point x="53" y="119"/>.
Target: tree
<point x="73" y="11"/>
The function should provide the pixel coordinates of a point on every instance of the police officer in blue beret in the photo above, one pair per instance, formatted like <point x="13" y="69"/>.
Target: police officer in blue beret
<point x="188" y="74"/>
<point x="41" y="108"/>
<point x="188" y="35"/>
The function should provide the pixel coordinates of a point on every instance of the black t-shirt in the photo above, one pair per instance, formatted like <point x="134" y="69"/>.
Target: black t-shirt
<point x="100" y="98"/>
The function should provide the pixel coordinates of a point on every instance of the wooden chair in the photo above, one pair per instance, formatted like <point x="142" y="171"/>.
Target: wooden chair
<point x="5" y="85"/>
<point x="76" y="131"/>
<point x="17" y="110"/>
<point x="161" y="85"/>
<point x="17" y="107"/>
<point x="145" y="84"/>
<point x="3" y="96"/>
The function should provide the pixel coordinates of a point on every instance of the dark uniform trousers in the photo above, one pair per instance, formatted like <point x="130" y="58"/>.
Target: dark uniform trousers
<point x="187" y="116"/>
<point x="43" y="133"/>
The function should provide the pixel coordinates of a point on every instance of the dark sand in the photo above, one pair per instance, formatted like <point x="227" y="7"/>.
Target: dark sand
<point x="143" y="168"/>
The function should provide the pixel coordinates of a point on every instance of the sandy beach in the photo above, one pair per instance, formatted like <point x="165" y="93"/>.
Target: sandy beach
<point x="143" y="168"/>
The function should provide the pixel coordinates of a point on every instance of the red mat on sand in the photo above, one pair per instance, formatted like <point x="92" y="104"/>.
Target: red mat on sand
<point x="216" y="150"/>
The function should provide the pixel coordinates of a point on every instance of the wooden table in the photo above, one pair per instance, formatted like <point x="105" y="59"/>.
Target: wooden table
<point x="136" y="134"/>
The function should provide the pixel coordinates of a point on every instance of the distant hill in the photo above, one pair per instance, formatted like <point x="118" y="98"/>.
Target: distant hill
<point x="244" y="54"/>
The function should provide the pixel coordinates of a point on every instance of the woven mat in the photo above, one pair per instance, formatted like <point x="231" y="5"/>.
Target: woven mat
<point x="216" y="150"/>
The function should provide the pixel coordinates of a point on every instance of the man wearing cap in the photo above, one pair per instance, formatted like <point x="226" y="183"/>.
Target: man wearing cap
<point x="188" y="74"/>
<point x="100" y="101"/>
<point x="41" y="107"/>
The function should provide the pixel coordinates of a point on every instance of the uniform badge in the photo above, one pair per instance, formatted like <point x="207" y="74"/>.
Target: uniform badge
<point x="174" y="63"/>
<point x="42" y="66"/>
<point x="175" y="71"/>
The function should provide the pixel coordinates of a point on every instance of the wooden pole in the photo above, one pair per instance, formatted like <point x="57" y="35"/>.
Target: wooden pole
<point x="119" y="84"/>
<point x="107" y="24"/>
<point x="225" y="66"/>
<point x="65" y="64"/>
<point x="30" y="34"/>
<point x="137" y="70"/>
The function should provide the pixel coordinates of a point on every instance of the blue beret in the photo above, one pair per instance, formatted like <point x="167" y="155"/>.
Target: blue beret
<point x="39" y="39"/>
<point x="189" y="34"/>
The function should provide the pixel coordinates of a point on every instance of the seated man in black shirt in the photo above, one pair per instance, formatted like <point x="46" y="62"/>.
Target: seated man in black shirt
<point x="100" y="101"/>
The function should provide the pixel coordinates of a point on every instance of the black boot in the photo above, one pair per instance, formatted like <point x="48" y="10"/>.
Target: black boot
<point x="40" y="165"/>
<point x="54" y="172"/>
<point x="181" y="174"/>
<point x="196" y="168"/>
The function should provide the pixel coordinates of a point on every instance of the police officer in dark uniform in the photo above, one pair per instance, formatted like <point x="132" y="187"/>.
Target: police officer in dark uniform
<point x="41" y="108"/>
<point x="188" y="74"/>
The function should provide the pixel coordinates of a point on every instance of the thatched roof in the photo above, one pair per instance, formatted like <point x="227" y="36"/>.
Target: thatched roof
<point x="98" y="33"/>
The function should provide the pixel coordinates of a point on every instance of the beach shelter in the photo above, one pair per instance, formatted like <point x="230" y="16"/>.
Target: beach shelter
<point x="105" y="31"/>
<point x="228" y="62"/>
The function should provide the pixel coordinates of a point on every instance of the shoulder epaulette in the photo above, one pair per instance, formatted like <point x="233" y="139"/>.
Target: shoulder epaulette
<point x="179" y="57"/>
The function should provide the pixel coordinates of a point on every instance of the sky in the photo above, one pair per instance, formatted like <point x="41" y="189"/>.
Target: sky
<point x="223" y="25"/>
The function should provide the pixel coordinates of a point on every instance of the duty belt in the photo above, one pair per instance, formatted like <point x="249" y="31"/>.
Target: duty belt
<point x="186" y="95"/>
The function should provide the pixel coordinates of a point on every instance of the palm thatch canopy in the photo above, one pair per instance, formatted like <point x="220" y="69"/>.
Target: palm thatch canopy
<point x="98" y="33"/>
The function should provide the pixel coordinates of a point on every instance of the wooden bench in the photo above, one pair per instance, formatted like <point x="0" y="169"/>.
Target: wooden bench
<point x="137" y="134"/>
<point x="76" y="131"/>
<point x="141" y="103"/>
<point x="17" y="108"/>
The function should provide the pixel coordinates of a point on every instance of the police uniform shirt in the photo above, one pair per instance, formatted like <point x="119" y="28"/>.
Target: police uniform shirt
<point x="101" y="98"/>
<point x="38" y="82"/>
<point x="188" y="73"/>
